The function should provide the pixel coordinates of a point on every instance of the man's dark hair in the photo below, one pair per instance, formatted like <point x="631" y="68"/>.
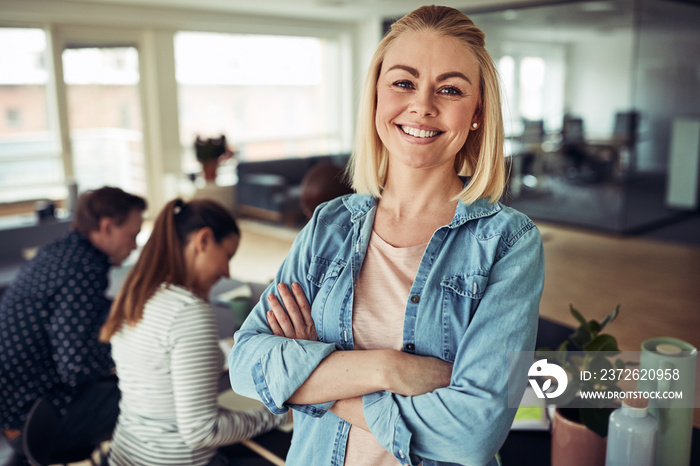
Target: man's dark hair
<point x="110" y="202"/>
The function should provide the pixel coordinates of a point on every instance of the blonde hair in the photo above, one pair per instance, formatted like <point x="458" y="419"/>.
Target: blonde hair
<point x="481" y="157"/>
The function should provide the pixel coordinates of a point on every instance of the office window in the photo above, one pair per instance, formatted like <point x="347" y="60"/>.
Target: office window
<point x="271" y="96"/>
<point x="532" y="77"/>
<point x="30" y="162"/>
<point x="532" y="71"/>
<point x="104" y="113"/>
<point x="13" y="118"/>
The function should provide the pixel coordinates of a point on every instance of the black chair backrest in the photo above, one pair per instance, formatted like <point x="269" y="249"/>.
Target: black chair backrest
<point x="39" y="432"/>
<point x="533" y="131"/>
<point x="625" y="129"/>
<point x="40" y="436"/>
<point x="572" y="130"/>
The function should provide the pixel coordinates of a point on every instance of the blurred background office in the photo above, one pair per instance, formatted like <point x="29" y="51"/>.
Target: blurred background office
<point x="601" y="101"/>
<point x="602" y="97"/>
<point x="601" y="104"/>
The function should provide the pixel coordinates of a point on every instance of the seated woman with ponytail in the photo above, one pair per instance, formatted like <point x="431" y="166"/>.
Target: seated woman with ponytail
<point x="165" y="345"/>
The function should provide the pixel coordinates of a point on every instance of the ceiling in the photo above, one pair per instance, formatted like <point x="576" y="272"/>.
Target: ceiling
<point x="331" y="10"/>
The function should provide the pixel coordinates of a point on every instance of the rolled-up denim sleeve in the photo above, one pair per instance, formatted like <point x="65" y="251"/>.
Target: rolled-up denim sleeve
<point x="467" y="422"/>
<point x="271" y="368"/>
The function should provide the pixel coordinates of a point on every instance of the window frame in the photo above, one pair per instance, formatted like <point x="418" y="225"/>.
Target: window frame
<point x="153" y="34"/>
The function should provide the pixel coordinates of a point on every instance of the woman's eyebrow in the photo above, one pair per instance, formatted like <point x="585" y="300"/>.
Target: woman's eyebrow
<point x="409" y="69"/>
<point x="414" y="72"/>
<point x="454" y="74"/>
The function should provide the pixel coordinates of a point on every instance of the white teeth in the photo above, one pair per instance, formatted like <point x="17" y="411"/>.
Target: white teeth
<point x="418" y="133"/>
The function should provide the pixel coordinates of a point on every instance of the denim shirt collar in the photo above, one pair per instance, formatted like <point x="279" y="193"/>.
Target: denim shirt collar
<point x="360" y="205"/>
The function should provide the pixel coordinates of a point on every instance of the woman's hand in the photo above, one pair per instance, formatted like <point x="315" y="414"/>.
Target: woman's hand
<point x="291" y="318"/>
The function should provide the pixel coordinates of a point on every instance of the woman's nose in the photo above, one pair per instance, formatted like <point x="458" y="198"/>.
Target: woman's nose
<point x="424" y="104"/>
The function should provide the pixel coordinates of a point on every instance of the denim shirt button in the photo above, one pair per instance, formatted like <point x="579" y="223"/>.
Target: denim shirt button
<point x="410" y="346"/>
<point x="415" y="299"/>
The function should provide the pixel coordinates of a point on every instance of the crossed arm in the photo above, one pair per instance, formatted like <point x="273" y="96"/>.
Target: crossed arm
<point x="344" y="376"/>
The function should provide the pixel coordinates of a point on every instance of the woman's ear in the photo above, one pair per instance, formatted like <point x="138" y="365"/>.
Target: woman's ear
<point x="203" y="238"/>
<point x="478" y="116"/>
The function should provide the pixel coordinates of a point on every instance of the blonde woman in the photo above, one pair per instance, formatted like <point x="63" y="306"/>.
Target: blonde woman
<point x="418" y="286"/>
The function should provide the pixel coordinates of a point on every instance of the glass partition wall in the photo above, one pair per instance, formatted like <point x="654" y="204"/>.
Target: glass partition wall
<point x="592" y="92"/>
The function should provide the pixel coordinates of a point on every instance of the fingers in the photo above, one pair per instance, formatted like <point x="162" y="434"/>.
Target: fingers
<point x="274" y="325"/>
<point x="290" y="304"/>
<point x="280" y="315"/>
<point x="303" y="304"/>
<point x="291" y="318"/>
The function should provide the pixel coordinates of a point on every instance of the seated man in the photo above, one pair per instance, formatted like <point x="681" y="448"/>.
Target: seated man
<point x="50" y="317"/>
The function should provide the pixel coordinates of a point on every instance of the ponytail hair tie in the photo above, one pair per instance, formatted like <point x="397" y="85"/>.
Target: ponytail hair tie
<point x="179" y="204"/>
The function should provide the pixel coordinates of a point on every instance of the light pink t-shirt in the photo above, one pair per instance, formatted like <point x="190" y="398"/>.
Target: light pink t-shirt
<point x="379" y="306"/>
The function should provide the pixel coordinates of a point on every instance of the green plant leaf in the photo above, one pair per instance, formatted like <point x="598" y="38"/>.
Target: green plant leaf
<point x="594" y="327"/>
<point x="577" y="315"/>
<point x="599" y="363"/>
<point x="610" y="317"/>
<point x="581" y="337"/>
<point x="602" y="343"/>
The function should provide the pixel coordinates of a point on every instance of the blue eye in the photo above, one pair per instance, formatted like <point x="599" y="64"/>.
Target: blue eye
<point x="451" y="91"/>
<point x="404" y="84"/>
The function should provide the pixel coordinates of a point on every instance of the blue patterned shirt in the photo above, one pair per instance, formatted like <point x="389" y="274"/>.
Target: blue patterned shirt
<point x="49" y="321"/>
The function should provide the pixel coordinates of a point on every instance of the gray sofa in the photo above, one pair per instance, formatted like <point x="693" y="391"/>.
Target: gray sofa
<point x="270" y="189"/>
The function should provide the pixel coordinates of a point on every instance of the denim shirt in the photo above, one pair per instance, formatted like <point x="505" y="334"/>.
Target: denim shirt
<point x="475" y="298"/>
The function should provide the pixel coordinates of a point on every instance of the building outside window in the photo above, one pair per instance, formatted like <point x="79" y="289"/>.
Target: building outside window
<point x="104" y="113"/>
<point x="30" y="159"/>
<point x="271" y="96"/>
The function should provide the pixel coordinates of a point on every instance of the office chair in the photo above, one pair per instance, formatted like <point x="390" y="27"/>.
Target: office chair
<point x="573" y="145"/>
<point x="525" y="173"/>
<point x="625" y="128"/>
<point x="40" y="437"/>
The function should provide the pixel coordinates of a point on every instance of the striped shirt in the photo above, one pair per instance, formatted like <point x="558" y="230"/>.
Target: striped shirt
<point x="169" y="365"/>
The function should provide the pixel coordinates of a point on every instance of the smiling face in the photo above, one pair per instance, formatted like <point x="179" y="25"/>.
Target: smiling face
<point x="208" y="260"/>
<point x="427" y="98"/>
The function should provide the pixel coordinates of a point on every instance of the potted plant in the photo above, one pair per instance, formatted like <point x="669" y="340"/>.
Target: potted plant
<point x="580" y="427"/>
<point x="210" y="152"/>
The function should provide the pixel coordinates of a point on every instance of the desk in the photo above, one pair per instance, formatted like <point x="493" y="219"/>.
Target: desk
<point x="266" y="449"/>
<point x="272" y="446"/>
<point x="224" y="316"/>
